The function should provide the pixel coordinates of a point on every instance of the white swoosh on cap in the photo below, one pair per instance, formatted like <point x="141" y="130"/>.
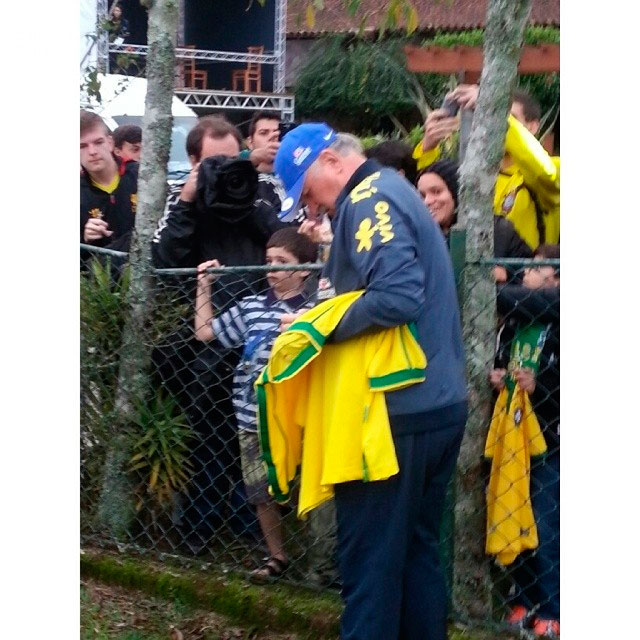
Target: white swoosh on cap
<point x="327" y="136"/>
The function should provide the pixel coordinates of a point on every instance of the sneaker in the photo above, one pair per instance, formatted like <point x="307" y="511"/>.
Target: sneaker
<point x="546" y="628"/>
<point x="518" y="617"/>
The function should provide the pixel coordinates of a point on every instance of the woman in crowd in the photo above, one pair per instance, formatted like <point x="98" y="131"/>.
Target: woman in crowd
<point x="438" y="186"/>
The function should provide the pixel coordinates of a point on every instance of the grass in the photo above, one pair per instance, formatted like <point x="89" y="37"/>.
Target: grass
<point x="141" y="599"/>
<point x="115" y="613"/>
<point x="281" y="608"/>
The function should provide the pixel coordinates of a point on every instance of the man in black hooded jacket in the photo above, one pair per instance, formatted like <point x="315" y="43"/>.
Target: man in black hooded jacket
<point x="201" y="374"/>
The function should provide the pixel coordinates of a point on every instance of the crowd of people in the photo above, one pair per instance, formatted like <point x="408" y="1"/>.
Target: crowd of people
<point x="380" y="221"/>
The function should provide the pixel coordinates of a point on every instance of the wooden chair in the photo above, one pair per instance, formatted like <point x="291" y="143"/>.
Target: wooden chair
<point x="252" y="74"/>
<point x="192" y="76"/>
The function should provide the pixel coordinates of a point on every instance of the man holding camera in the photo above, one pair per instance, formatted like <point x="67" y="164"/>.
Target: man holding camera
<point x="528" y="184"/>
<point x="263" y="142"/>
<point x="215" y="214"/>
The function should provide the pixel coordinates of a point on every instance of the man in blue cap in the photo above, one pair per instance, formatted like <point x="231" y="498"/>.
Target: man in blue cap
<point x="386" y="243"/>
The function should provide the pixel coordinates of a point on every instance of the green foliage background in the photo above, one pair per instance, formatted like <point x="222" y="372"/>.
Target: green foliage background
<point x="159" y="437"/>
<point x="355" y="83"/>
<point x="363" y="86"/>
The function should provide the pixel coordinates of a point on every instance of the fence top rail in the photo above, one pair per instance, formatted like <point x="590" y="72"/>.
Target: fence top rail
<point x="108" y="252"/>
<point x="484" y="262"/>
<point x="514" y="262"/>
<point x="192" y="271"/>
<point x="260" y="268"/>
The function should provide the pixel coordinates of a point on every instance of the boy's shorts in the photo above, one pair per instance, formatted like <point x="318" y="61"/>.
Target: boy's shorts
<point x="254" y="473"/>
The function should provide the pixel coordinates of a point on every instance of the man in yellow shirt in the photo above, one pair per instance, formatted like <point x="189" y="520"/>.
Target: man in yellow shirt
<point x="528" y="184"/>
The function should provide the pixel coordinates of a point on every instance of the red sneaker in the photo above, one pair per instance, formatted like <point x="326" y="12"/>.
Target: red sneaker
<point x="546" y="628"/>
<point x="518" y="616"/>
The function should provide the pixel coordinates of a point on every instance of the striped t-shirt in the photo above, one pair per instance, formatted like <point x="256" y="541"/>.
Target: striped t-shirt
<point x="254" y="323"/>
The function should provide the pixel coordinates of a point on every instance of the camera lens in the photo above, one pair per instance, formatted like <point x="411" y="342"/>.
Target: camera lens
<point x="236" y="185"/>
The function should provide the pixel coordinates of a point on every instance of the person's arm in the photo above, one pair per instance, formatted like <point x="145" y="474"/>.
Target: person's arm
<point x="203" y="319"/>
<point x="174" y="238"/>
<point x="383" y="250"/>
<point x="94" y="231"/>
<point x="437" y="127"/>
<point x="229" y="328"/>
<point x="507" y="243"/>
<point x="529" y="305"/>
<point x="541" y="174"/>
<point x="263" y="223"/>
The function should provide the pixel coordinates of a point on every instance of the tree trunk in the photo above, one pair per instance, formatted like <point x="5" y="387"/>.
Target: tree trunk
<point x="506" y="20"/>
<point x="116" y="502"/>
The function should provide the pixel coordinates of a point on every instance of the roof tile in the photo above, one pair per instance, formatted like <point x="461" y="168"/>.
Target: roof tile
<point x="432" y="14"/>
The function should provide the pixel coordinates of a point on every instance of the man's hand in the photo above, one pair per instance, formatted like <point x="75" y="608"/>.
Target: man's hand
<point x="265" y="155"/>
<point x="496" y="378"/>
<point x="188" y="193"/>
<point x="288" y="319"/>
<point x="318" y="232"/>
<point x="466" y="95"/>
<point x="206" y="279"/>
<point x="96" y="229"/>
<point x="437" y="127"/>
<point x="500" y="274"/>
<point x="526" y="379"/>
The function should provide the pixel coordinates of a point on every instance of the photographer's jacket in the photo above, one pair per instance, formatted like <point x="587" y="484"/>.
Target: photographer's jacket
<point x="117" y="209"/>
<point x="185" y="237"/>
<point x="386" y="243"/>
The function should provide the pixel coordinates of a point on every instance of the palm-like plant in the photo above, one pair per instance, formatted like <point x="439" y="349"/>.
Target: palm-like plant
<point x="161" y="452"/>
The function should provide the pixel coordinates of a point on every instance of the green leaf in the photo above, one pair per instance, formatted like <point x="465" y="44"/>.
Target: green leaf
<point x="310" y="17"/>
<point x="413" y="20"/>
<point x="352" y="7"/>
<point x="363" y="25"/>
<point x="396" y="12"/>
<point x="154" y="474"/>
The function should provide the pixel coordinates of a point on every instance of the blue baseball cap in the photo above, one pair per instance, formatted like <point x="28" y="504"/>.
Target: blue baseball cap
<point x="298" y="150"/>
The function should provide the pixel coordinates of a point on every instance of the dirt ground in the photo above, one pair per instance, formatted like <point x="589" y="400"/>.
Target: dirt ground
<point x="109" y="612"/>
<point x="114" y="613"/>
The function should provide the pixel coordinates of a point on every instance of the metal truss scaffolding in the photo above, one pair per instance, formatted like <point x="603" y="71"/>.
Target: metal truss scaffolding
<point x="280" y="45"/>
<point x="213" y="99"/>
<point x="217" y="100"/>
<point x="197" y="54"/>
<point x="102" y="11"/>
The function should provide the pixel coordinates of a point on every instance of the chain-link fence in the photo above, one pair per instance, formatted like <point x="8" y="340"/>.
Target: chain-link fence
<point x="182" y="474"/>
<point x="519" y="441"/>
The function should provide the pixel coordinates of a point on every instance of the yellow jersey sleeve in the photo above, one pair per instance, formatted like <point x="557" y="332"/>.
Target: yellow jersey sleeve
<point x="539" y="171"/>
<point x="425" y="158"/>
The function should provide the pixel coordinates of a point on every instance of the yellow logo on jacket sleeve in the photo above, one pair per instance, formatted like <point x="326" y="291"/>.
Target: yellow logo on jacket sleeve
<point x="365" y="189"/>
<point x="95" y="213"/>
<point x="366" y="231"/>
<point x="134" y="202"/>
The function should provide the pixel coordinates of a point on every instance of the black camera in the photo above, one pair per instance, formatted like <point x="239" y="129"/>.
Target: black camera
<point x="226" y="187"/>
<point x="451" y="107"/>
<point x="285" y="127"/>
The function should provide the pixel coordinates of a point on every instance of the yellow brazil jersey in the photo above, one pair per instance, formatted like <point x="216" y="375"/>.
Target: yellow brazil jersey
<point x="321" y="407"/>
<point x="108" y="188"/>
<point x="514" y="436"/>
<point x="533" y="178"/>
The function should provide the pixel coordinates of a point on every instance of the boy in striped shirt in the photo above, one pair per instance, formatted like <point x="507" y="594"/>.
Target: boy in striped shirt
<point x="254" y="323"/>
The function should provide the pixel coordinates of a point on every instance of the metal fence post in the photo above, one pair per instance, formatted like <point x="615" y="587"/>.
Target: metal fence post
<point x="457" y="251"/>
